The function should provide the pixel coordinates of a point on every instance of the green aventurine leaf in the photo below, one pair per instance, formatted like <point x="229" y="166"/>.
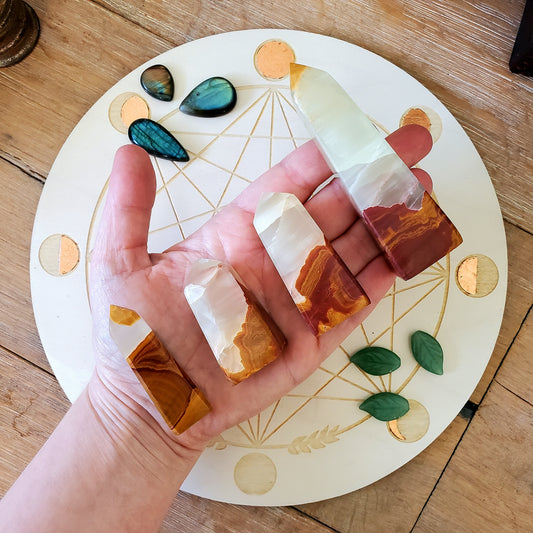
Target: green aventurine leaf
<point x="385" y="406"/>
<point x="376" y="361"/>
<point x="427" y="352"/>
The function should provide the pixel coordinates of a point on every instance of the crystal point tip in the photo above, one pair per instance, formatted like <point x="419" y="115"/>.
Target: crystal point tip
<point x="296" y="70"/>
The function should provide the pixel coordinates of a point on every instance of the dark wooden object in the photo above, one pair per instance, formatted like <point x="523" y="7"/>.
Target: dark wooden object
<point x="19" y="31"/>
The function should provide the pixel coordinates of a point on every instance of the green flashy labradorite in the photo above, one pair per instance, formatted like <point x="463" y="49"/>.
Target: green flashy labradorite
<point x="156" y="140"/>
<point x="157" y="82"/>
<point x="212" y="98"/>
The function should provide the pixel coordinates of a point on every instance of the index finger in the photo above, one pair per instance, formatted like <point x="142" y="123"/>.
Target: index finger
<point x="300" y="173"/>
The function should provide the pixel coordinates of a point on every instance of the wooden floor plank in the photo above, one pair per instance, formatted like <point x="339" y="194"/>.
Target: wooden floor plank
<point x="20" y="196"/>
<point x="516" y="372"/>
<point x="519" y="300"/>
<point x="487" y="485"/>
<point x="31" y="406"/>
<point x="394" y="502"/>
<point x="192" y="514"/>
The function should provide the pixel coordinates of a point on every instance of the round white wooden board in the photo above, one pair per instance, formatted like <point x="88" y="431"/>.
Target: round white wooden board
<point x="315" y="443"/>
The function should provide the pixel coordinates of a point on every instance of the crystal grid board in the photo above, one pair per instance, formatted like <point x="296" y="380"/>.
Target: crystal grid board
<point x="277" y="457"/>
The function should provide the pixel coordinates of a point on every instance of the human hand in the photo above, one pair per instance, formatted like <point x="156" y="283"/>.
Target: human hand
<point x="124" y="274"/>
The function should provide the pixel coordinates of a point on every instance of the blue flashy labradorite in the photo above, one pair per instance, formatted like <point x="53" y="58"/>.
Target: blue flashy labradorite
<point x="156" y="140"/>
<point x="212" y="98"/>
<point x="157" y="82"/>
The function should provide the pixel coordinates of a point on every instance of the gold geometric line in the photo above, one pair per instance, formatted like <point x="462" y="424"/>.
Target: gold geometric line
<point x="188" y="219"/>
<point x="364" y="334"/>
<point x="287" y="101"/>
<point x="246" y="434"/>
<point x="238" y="136"/>
<point x="168" y="226"/>
<point x="393" y="307"/>
<point x="408" y="379"/>
<point x="369" y="379"/>
<point x="390" y="382"/>
<point x="437" y="327"/>
<point x="89" y="237"/>
<point x="346" y="380"/>
<point x="224" y="131"/>
<point x="198" y="189"/>
<point x="334" y="398"/>
<point x="220" y="167"/>
<point x="237" y="89"/>
<point x="264" y="86"/>
<point x="169" y="197"/>
<point x="251" y="430"/>
<point x="425" y="282"/>
<point x="258" y="424"/>
<point x="269" y="420"/>
<point x="362" y="372"/>
<point x="382" y="382"/>
<point x="276" y="429"/>
<point x="286" y="119"/>
<point x="355" y="424"/>
<point x="271" y="131"/>
<point x="151" y="232"/>
<point x="384" y="332"/>
<point x="446" y="293"/>
<point x="241" y="88"/>
<point x="243" y="150"/>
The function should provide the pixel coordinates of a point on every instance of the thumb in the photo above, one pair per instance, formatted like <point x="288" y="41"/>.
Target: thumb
<point x="122" y="239"/>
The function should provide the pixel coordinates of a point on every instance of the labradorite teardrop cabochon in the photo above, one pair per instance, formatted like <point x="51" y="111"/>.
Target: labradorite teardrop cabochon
<point x="156" y="140"/>
<point x="211" y="98"/>
<point x="158" y="82"/>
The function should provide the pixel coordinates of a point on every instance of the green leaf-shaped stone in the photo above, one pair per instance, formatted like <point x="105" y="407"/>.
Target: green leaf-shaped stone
<point x="385" y="406"/>
<point x="427" y="352"/>
<point x="156" y="140"/>
<point x="376" y="360"/>
<point x="212" y="98"/>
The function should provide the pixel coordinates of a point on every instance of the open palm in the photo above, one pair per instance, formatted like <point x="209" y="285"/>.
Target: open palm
<point x="125" y="274"/>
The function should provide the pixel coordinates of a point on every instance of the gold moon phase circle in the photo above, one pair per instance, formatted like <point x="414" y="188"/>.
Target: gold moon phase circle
<point x="412" y="426"/>
<point x="59" y="255"/>
<point x="423" y="116"/>
<point x="273" y="59"/>
<point x="255" y="473"/>
<point x="477" y="275"/>
<point x="126" y="108"/>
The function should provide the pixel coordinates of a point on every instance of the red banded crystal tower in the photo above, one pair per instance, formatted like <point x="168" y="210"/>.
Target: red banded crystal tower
<point x="406" y="222"/>
<point x="324" y="290"/>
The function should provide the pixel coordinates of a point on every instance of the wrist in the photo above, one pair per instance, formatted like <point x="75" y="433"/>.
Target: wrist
<point x="133" y="425"/>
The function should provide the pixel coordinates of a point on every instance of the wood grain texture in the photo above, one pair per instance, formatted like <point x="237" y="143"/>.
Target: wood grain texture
<point x="487" y="485"/>
<point x="519" y="301"/>
<point x="459" y="50"/>
<point x="516" y="372"/>
<point x="394" y="502"/>
<point x="191" y="514"/>
<point x="31" y="405"/>
<point x="82" y="51"/>
<point x="20" y="196"/>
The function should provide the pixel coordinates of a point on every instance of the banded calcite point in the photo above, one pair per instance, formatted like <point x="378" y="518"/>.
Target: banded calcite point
<point x="241" y="334"/>
<point x="324" y="290"/>
<point x="175" y="396"/>
<point x="406" y="222"/>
